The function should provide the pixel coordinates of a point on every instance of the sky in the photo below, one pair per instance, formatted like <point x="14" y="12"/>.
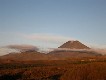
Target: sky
<point x="49" y="23"/>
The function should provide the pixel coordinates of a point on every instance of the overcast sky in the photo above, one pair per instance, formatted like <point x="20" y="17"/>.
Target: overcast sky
<point x="49" y="23"/>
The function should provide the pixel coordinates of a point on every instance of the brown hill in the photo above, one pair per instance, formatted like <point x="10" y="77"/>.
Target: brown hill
<point x="63" y="54"/>
<point x="23" y="56"/>
<point x="72" y="49"/>
<point x="74" y="45"/>
<point x="68" y="50"/>
<point x="53" y="55"/>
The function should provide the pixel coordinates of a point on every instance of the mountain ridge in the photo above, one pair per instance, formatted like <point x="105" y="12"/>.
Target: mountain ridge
<point x="74" y="45"/>
<point x="67" y="50"/>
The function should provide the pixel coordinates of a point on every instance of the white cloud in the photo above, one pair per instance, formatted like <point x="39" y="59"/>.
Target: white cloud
<point x="5" y="50"/>
<point x="16" y="49"/>
<point x="22" y="47"/>
<point x="101" y="51"/>
<point x="48" y="38"/>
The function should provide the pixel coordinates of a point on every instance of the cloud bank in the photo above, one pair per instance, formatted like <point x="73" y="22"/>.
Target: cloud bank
<point x="22" y="47"/>
<point x="5" y="50"/>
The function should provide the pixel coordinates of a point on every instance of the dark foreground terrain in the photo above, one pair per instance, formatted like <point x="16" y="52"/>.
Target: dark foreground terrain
<point x="72" y="69"/>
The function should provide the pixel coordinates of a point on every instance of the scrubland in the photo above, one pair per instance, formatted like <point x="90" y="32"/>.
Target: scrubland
<point x="71" y="69"/>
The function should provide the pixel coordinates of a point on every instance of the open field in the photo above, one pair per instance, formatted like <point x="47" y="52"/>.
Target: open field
<point x="75" y="69"/>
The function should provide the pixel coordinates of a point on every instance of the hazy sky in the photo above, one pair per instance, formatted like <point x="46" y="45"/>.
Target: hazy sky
<point x="48" y="23"/>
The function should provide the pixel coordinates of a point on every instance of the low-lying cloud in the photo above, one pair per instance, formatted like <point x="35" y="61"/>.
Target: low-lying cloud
<point x="17" y="49"/>
<point x="22" y="47"/>
<point x="101" y="51"/>
<point x="5" y="50"/>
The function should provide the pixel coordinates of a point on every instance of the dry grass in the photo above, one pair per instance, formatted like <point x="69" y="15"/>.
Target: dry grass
<point x="54" y="70"/>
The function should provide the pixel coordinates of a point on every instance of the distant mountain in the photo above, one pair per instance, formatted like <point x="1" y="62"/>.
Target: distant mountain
<point x="67" y="54"/>
<point x="53" y="55"/>
<point x="23" y="56"/>
<point x="74" y="45"/>
<point x="70" y="49"/>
